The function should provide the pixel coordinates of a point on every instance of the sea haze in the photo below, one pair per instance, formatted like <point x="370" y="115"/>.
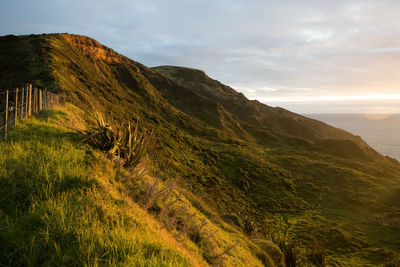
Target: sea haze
<point x="382" y="132"/>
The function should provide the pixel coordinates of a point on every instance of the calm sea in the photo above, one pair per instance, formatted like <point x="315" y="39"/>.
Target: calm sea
<point x="380" y="132"/>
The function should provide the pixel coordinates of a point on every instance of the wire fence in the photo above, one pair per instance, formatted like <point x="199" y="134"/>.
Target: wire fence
<point x="19" y="104"/>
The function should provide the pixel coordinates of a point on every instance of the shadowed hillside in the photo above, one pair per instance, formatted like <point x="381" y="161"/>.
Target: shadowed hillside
<point x="268" y="125"/>
<point x="267" y="172"/>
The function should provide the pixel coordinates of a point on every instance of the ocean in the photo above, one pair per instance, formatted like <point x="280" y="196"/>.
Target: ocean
<point x="381" y="132"/>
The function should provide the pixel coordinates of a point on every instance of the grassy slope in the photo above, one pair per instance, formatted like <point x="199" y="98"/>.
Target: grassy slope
<point x="340" y="186"/>
<point x="347" y="206"/>
<point x="64" y="204"/>
<point x="59" y="205"/>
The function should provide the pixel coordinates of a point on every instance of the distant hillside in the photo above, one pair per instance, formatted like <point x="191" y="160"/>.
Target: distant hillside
<point x="268" y="125"/>
<point x="266" y="171"/>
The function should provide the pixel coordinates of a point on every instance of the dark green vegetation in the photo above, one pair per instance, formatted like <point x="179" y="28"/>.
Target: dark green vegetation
<point x="320" y="193"/>
<point x="124" y="142"/>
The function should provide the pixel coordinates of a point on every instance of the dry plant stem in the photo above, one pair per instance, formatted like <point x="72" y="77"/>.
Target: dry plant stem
<point x="226" y="250"/>
<point x="211" y="235"/>
<point x="202" y="225"/>
<point x="153" y="194"/>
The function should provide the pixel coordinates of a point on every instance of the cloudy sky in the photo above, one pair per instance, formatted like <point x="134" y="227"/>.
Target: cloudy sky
<point x="308" y="56"/>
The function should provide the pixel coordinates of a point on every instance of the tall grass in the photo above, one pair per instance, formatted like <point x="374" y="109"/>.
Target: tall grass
<point x="54" y="209"/>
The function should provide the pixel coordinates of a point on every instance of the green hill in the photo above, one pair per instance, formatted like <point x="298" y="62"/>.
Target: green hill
<point x="253" y="172"/>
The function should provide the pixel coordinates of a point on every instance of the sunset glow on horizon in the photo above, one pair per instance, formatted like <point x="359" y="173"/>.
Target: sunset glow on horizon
<point x="375" y="97"/>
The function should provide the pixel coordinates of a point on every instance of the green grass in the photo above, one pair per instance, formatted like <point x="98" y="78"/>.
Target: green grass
<point x="55" y="211"/>
<point x="63" y="203"/>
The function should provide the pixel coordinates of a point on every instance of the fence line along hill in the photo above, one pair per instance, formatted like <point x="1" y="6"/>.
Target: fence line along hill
<point x="20" y="103"/>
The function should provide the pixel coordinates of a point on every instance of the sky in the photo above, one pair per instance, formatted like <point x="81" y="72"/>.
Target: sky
<point x="309" y="56"/>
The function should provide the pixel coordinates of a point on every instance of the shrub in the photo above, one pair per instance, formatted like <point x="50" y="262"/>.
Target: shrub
<point x="101" y="134"/>
<point x="131" y="144"/>
<point x="290" y="249"/>
<point x="249" y="226"/>
<point x="125" y="142"/>
<point x="270" y="254"/>
<point x="392" y="263"/>
<point x="316" y="255"/>
<point x="153" y="193"/>
<point x="234" y="219"/>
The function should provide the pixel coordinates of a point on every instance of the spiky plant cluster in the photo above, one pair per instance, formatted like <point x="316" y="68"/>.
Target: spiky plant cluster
<point x="131" y="144"/>
<point x="125" y="142"/>
<point x="101" y="134"/>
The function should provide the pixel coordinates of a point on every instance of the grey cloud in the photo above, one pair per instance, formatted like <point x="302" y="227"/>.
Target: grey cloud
<point x="328" y="47"/>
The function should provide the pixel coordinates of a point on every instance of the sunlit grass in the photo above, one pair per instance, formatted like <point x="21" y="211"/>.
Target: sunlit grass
<point x="53" y="210"/>
<point x="63" y="203"/>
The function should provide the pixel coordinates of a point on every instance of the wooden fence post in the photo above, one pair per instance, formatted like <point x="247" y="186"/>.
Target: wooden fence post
<point x="44" y="99"/>
<point x="16" y="107"/>
<point x="22" y="104"/>
<point x="40" y="99"/>
<point x="30" y="99"/>
<point x="5" y="128"/>
<point x="35" y="99"/>
<point x="26" y="101"/>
